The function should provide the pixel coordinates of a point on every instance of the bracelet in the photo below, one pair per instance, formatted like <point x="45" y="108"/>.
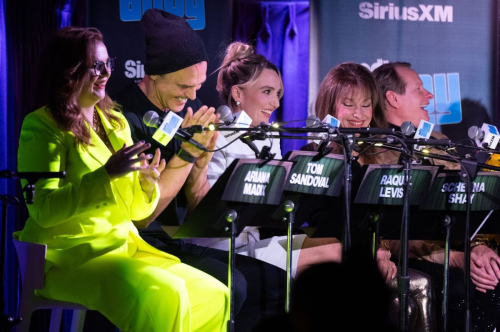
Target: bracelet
<point x="186" y="156"/>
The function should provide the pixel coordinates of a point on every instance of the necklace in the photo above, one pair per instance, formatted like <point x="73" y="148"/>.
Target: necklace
<point x="99" y="130"/>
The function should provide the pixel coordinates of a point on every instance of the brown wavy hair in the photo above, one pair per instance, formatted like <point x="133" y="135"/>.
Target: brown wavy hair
<point x="65" y="68"/>
<point x="342" y="80"/>
<point x="242" y="67"/>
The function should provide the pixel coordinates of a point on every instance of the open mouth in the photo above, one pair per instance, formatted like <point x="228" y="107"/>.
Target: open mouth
<point x="356" y="123"/>
<point x="267" y="112"/>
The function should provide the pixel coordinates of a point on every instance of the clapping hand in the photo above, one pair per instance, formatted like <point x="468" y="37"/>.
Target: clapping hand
<point x="150" y="173"/>
<point x="125" y="160"/>
<point x="204" y="116"/>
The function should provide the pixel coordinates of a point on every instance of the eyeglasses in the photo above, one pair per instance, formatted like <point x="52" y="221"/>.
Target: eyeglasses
<point x="99" y="66"/>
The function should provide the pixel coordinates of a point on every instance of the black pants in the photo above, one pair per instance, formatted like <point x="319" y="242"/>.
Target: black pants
<point x="259" y="287"/>
<point x="484" y="307"/>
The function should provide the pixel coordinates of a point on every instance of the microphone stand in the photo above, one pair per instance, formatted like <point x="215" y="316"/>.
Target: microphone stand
<point x="347" y="142"/>
<point x="468" y="172"/>
<point x="403" y="278"/>
<point x="295" y="130"/>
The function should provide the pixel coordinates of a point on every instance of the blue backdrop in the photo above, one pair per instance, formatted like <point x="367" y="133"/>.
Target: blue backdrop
<point x="452" y="44"/>
<point x="280" y="31"/>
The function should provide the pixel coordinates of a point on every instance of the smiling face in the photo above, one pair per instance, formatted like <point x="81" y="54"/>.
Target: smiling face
<point x="355" y="109"/>
<point x="260" y="99"/>
<point x="416" y="98"/>
<point x="174" y="89"/>
<point x="94" y="89"/>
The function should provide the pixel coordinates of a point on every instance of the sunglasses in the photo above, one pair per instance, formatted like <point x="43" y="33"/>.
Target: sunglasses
<point x="100" y="65"/>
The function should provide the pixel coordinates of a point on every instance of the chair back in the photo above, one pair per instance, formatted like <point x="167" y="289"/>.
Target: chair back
<point x="31" y="255"/>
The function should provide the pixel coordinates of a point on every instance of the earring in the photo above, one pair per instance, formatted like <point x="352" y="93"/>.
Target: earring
<point x="238" y="103"/>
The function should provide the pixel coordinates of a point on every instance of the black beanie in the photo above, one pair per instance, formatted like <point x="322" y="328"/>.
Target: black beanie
<point x="171" y="43"/>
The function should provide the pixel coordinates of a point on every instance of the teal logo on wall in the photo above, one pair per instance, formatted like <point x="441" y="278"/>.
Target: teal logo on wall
<point x="192" y="10"/>
<point x="446" y="107"/>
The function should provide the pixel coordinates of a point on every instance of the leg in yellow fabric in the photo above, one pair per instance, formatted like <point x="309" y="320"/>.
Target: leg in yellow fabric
<point x="136" y="294"/>
<point x="209" y="298"/>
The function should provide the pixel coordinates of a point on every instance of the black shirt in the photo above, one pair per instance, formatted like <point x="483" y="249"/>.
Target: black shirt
<point x="134" y="105"/>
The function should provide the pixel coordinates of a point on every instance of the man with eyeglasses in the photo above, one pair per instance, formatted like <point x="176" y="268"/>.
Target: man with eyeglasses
<point x="176" y="66"/>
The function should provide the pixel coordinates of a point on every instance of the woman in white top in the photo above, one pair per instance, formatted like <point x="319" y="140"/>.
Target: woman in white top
<point x="249" y="82"/>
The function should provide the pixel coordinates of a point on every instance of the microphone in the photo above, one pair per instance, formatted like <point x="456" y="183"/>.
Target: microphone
<point x="408" y="129"/>
<point x="420" y="134"/>
<point x="486" y="137"/>
<point x="248" y="141"/>
<point x="424" y="131"/>
<point x="169" y="127"/>
<point x="241" y="120"/>
<point x="331" y="121"/>
<point x="313" y="121"/>
<point x="225" y="115"/>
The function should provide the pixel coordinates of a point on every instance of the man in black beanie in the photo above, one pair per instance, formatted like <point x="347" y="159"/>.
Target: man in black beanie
<point x="176" y="66"/>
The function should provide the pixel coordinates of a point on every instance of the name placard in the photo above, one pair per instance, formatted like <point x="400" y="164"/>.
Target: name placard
<point x="321" y="177"/>
<point x="257" y="182"/>
<point x="383" y="184"/>
<point x="448" y="192"/>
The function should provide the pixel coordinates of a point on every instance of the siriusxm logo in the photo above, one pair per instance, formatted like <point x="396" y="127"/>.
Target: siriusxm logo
<point x="134" y="69"/>
<point x="330" y="120"/>
<point x="431" y="13"/>
<point x="170" y="127"/>
<point x="493" y="130"/>
<point x="192" y="10"/>
<point x="426" y="129"/>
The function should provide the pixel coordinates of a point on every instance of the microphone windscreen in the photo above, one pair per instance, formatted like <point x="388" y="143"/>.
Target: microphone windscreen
<point x="312" y="121"/>
<point x="474" y="133"/>
<point x="225" y="114"/>
<point x="150" y="119"/>
<point x="407" y="128"/>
